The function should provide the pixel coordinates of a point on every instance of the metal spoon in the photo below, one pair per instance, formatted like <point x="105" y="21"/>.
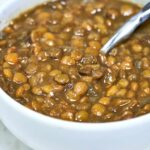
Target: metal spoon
<point x="127" y="29"/>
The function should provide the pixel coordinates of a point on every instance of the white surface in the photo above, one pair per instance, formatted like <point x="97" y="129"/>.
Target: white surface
<point x="8" y="141"/>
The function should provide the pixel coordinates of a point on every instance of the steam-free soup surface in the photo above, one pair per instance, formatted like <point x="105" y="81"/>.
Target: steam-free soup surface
<point x="50" y="62"/>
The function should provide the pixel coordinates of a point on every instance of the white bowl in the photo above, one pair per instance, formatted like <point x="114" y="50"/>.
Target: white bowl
<point x="45" y="133"/>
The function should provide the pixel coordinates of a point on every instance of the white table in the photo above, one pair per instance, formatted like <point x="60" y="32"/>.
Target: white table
<point x="9" y="142"/>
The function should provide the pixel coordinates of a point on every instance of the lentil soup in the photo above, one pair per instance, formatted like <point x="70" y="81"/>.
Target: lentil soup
<point x="50" y="61"/>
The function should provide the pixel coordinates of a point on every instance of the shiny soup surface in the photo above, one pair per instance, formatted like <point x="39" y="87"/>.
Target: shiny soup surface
<point x="50" y="61"/>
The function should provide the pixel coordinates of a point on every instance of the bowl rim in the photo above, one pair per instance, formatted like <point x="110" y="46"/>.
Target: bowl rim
<point x="63" y="123"/>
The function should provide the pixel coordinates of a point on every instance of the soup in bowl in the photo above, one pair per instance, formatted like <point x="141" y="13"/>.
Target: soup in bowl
<point x="51" y="63"/>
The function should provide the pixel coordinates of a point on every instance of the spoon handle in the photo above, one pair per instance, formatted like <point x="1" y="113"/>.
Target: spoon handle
<point x="145" y="13"/>
<point x="146" y="7"/>
<point x="127" y="29"/>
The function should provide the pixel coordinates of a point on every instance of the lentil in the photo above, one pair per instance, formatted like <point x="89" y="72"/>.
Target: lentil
<point x="81" y="116"/>
<point x="8" y="73"/>
<point x="98" y="110"/>
<point x="19" y="78"/>
<point x="11" y="58"/>
<point x="105" y="100"/>
<point x="80" y="88"/>
<point x="62" y="78"/>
